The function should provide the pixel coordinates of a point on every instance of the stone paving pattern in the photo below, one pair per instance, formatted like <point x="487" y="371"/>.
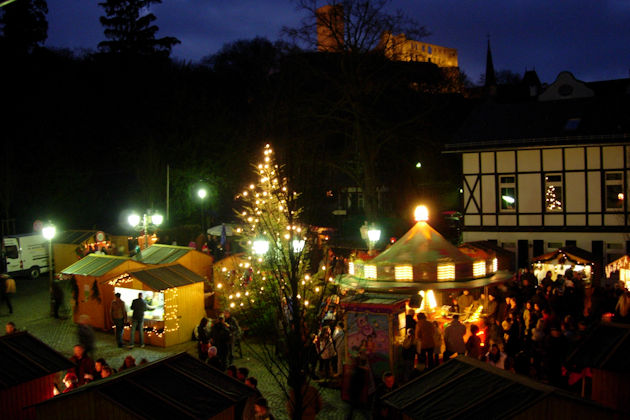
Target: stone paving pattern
<point x="31" y="312"/>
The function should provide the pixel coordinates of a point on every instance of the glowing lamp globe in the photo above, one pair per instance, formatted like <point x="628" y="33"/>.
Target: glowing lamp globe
<point x="49" y="232"/>
<point x="298" y="245"/>
<point x="421" y="214"/>
<point x="260" y="247"/>
<point x="374" y="234"/>
<point x="202" y="193"/>
<point x="133" y="219"/>
<point x="157" y="219"/>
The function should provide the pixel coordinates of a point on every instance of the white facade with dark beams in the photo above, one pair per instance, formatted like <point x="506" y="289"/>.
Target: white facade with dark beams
<point x="551" y="171"/>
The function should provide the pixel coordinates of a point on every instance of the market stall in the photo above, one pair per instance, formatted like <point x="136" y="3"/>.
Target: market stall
<point x="620" y="270"/>
<point x="71" y="245"/>
<point x="174" y="297"/>
<point x="562" y="259"/>
<point x="89" y="296"/>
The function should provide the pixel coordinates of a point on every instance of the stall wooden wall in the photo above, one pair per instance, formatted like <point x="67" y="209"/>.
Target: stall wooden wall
<point x="14" y="399"/>
<point x="611" y="389"/>
<point x="64" y="255"/>
<point x="190" y="310"/>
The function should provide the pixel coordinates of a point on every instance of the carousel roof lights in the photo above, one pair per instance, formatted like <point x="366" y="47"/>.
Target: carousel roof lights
<point x="421" y="214"/>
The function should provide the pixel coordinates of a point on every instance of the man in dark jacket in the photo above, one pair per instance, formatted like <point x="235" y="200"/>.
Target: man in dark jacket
<point x="220" y="336"/>
<point x="139" y="307"/>
<point x="119" y="316"/>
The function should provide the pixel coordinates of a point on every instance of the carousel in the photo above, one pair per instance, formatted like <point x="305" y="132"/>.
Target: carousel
<point x="421" y="271"/>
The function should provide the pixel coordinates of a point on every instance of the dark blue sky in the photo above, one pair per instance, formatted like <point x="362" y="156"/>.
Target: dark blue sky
<point x="590" y="38"/>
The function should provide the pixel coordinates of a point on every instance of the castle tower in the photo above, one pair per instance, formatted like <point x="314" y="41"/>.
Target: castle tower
<point x="330" y="28"/>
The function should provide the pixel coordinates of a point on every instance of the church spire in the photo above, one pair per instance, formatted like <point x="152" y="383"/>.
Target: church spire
<point x="491" y="79"/>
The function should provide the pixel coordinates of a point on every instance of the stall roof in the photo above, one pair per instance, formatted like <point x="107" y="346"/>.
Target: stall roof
<point x="162" y="278"/>
<point x="162" y="254"/>
<point x="24" y="358"/>
<point x="179" y="387"/>
<point x="464" y="388"/>
<point x="574" y="254"/>
<point x="606" y="348"/>
<point x="74" y="236"/>
<point x="421" y="244"/>
<point x="94" y="265"/>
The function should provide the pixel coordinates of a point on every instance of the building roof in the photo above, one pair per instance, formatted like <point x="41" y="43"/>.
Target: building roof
<point x="162" y="278"/>
<point x="464" y="388"/>
<point x="162" y="254"/>
<point x="421" y="244"/>
<point x="606" y="348"/>
<point x="94" y="265"/>
<point x="179" y="387"/>
<point x="24" y="358"/>
<point x="597" y="112"/>
<point x="74" y="236"/>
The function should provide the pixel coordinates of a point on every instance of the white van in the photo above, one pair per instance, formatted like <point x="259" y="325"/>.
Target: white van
<point x="26" y="254"/>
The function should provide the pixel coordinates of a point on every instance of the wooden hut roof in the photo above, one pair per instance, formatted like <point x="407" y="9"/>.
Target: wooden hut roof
<point x="177" y="387"/>
<point x="464" y="388"/>
<point x="94" y="265"/>
<point x="162" y="278"/>
<point x="74" y="236"/>
<point x="606" y="348"/>
<point x="421" y="244"/>
<point x="573" y="254"/>
<point x="24" y="358"/>
<point x="162" y="254"/>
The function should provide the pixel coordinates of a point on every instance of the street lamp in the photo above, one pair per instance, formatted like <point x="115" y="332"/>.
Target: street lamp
<point x="144" y="222"/>
<point x="371" y="234"/>
<point x="49" y="232"/>
<point x="260" y="247"/>
<point x="202" y="193"/>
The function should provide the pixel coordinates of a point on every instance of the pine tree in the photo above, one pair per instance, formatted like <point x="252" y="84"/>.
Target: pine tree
<point x="274" y="294"/>
<point x="130" y="30"/>
<point x="24" y="25"/>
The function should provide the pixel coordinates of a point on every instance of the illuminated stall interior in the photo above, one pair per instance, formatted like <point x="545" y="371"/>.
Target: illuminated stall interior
<point x="620" y="267"/>
<point x="560" y="260"/>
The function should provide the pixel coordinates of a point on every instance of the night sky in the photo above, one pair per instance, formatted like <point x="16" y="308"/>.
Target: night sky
<point x="590" y="38"/>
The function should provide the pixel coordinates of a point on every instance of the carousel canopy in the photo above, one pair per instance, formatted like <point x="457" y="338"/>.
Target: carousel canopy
<point x="421" y="244"/>
<point x="572" y="254"/>
<point x="94" y="265"/>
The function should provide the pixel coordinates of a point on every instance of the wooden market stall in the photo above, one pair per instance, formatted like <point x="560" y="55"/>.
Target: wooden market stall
<point x="560" y="260"/>
<point x="29" y="370"/>
<point x="71" y="245"/>
<point x="174" y="296"/>
<point x="604" y="354"/>
<point x="176" y="387"/>
<point x="90" y="296"/>
<point x="620" y="270"/>
<point x="465" y="388"/>
<point x="194" y="260"/>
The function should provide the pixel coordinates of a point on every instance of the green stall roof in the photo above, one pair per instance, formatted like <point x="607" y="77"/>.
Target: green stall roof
<point x="162" y="254"/>
<point x="162" y="278"/>
<point x="94" y="265"/>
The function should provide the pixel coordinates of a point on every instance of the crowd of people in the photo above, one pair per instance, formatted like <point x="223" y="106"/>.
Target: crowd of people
<point x="528" y="327"/>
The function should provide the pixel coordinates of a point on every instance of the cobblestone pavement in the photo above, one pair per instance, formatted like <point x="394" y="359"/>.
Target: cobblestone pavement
<point x="31" y="312"/>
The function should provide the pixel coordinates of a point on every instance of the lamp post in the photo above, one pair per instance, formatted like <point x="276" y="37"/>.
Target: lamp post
<point x="202" y="193"/>
<point x="144" y="223"/>
<point x="49" y="232"/>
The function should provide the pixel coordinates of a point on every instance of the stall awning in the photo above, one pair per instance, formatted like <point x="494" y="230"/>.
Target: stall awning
<point x="94" y="265"/>
<point x="606" y="348"/>
<point x="464" y="388"/>
<point x="24" y="358"/>
<point x="573" y="254"/>
<point x="621" y="263"/>
<point x="415" y="286"/>
<point x="162" y="278"/>
<point x="162" y="254"/>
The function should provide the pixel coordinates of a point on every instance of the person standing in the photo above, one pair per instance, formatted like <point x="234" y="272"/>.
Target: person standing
<point x="5" y="293"/>
<point x="424" y="333"/>
<point x="118" y="312"/>
<point x="139" y="307"/>
<point x="454" y="338"/>
<point x="220" y="336"/>
<point x="57" y="296"/>
<point x="235" y="336"/>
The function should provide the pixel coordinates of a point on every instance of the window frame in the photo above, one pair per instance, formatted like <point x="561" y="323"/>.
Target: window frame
<point x="554" y="184"/>
<point x="508" y="185"/>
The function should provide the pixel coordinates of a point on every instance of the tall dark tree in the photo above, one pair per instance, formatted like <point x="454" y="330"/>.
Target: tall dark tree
<point x="129" y="29"/>
<point x="24" y="25"/>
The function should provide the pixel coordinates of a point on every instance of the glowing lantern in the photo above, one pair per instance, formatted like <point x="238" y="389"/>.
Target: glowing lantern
<point x="421" y="214"/>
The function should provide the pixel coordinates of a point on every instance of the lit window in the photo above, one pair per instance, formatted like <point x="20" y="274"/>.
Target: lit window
<point x="507" y="192"/>
<point x="370" y="272"/>
<point x="446" y="272"/>
<point x="479" y="269"/>
<point x="351" y="268"/>
<point x="403" y="272"/>
<point x="553" y="192"/>
<point x="614" y="191"/>
<point x="495" y="265"/>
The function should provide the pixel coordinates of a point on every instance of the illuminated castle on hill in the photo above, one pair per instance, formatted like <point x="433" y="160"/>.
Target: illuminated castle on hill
<point x="330" y="38"/>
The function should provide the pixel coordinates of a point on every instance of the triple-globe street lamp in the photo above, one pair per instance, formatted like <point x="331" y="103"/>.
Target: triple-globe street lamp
<point x="145" y="222"/>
